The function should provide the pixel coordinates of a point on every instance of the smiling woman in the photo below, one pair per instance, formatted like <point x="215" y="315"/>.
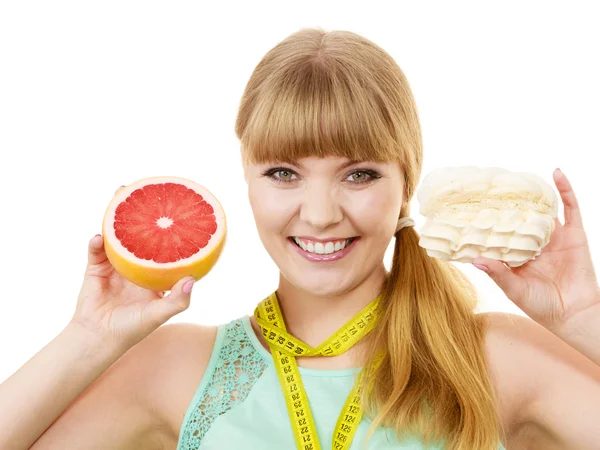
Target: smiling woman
<point x="332" y="152"/>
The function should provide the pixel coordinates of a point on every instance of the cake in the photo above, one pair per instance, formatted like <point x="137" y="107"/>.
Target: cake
<point x="490" y="212"/>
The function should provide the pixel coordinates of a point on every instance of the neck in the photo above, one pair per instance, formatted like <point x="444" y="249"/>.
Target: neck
<point x="312" y="318"/>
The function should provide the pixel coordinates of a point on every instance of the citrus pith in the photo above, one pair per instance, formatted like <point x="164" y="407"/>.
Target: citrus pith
<point x="158" y="230"/>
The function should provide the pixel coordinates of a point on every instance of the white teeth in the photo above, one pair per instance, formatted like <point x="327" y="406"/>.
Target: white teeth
<point x="320" y="248"/>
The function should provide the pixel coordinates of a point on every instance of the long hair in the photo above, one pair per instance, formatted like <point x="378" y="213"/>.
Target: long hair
<point x="319" y="93"/>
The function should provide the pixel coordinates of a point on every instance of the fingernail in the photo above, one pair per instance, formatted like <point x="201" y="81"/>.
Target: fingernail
<point x="484" y="268"/>
<point x="187" y="287"/>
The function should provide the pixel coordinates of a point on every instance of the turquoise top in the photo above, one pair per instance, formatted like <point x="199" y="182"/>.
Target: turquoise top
<point x="239" y="403"/>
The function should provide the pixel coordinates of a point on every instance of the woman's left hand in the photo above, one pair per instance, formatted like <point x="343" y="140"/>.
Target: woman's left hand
<point x="560" y="282"/>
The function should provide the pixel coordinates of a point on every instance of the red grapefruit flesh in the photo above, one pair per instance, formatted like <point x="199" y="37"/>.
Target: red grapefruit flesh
<point x="161" y="229"/>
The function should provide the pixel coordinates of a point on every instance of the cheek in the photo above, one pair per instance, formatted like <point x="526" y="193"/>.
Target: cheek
<point x="271" y="209"/>
<point x="376" y="213"/>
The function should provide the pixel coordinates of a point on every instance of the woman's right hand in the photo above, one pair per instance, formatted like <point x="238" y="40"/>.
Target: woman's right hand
<point x="117" y="310"/>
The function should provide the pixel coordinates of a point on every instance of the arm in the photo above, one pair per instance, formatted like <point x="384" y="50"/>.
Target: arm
<point x="78" y="388"/>
<point x="33" y="397"/>
<point x="582" y="332"/>
<point x="555" y="389"/>
<point x="76" y="392"/>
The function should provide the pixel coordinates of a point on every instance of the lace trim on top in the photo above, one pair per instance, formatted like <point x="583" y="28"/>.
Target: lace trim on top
<point x="234" y="373"/>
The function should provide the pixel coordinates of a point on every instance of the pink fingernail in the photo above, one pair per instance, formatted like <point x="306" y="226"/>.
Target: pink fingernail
<point x="187" y="287"/>
<point x="484" y="268"/>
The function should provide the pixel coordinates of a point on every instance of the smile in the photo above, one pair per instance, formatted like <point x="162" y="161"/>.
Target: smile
<point x="322" y="251"/>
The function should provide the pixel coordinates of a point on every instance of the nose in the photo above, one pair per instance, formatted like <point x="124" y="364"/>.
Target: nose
<point x="320" y="207"/>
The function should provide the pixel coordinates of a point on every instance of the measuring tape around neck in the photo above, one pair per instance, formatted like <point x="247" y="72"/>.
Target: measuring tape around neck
<point x="285" y="348"/>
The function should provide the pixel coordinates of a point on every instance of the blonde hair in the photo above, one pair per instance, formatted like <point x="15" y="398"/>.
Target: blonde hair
<point x="321" y="93"/>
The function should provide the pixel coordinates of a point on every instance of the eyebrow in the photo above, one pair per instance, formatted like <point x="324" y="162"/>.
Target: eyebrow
<point x="342" y="166"/>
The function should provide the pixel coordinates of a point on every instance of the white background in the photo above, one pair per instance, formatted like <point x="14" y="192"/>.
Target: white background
<point x="94" y="95"/>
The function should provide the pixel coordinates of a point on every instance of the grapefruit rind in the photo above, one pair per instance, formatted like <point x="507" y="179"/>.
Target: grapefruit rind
<point x="162" y="276"/>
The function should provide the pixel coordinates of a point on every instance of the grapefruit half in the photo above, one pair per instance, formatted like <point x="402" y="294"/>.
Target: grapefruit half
<point x="158" y="230"/>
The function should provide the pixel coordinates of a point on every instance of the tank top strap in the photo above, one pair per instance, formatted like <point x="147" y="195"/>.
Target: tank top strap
<point x="233" y="368"/>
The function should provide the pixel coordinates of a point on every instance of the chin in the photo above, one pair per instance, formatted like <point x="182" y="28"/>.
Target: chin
<point x="322" y="286"/>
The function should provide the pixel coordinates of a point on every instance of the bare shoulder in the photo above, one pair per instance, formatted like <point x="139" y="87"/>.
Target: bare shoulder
<point x="537" y="378"/>
<point x="168" y="367"/>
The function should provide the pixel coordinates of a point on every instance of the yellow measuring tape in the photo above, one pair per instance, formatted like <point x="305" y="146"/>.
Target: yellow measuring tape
<point x="285" y="348"/>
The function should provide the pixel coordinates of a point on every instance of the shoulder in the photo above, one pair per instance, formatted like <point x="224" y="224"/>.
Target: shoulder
<point x="140" y="400"/>
<point x="168" y="366"/>
<point x="537" y="378"/>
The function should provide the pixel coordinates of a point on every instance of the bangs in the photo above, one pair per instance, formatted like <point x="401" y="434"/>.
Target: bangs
<point x="314" y="110"/>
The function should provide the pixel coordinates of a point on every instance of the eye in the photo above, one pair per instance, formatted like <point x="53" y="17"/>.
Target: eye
<point x="359" y="176"/>
<point x="284" y="175"/>
<point x="362" y="176"/>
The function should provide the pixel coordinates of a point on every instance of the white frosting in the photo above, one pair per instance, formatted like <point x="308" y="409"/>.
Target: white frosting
<point x="490" y="212"/>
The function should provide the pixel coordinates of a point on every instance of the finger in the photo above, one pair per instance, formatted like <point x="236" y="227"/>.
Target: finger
<point x="513" y="285"/>
<point x="119" y="189"/>
<point x="96" y="253"/>
<point x="557" y="223"/>
<point x="177" y="301"/>
<point x="571" y="206"/>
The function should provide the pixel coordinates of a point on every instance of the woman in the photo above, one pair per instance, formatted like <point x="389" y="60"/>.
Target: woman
<point x="332" y="154"/>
